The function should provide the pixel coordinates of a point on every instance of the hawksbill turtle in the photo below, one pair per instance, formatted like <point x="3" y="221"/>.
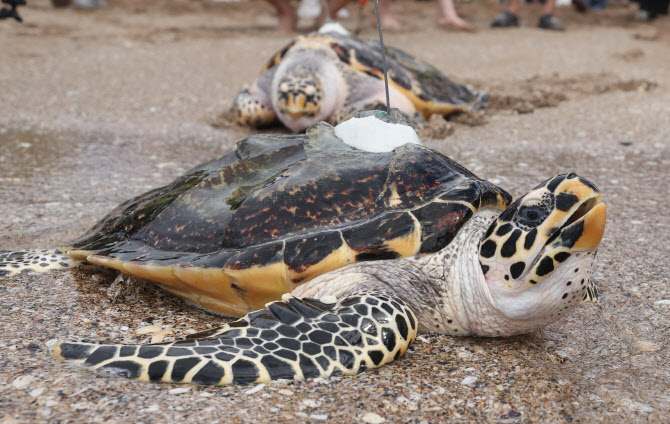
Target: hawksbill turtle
<point x="336" y="258"/>
<point x="328" y="75"/>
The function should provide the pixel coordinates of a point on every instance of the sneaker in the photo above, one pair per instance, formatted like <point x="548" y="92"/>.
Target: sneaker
<point x="505" y="19"/>
<point x="551" y="22"/>
<point x="580" y="6"/>
<point x="89" y="4"/>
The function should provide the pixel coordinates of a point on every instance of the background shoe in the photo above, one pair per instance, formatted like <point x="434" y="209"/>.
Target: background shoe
<point x="551" y="22"/>
<point x="89" y="4"/>
<point x="505" y="19"/>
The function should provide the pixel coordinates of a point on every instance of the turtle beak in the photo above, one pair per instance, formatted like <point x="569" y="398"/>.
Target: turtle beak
<point x="584" y="229"/>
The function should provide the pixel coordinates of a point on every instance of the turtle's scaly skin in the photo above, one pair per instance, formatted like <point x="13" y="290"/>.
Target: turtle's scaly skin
<point x="292" y="339"/>
<point x="329" y="76"/>
<point x="242" y="230"/>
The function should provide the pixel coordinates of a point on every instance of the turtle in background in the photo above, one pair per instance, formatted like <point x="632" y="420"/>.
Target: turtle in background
<point x="329" y="75"/>
<point x="336" y="258"/>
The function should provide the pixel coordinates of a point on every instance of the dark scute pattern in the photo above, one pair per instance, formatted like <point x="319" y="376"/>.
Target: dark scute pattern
<point x="287" y="354"/>
<point x="402" y="326"/>
<point x="554" y="183"/>
<point x="530" y="239"/>
<point x="508" y="248"/>
<point x="75" y="351"/>
<point x="485" y="268"/>
<point x="157" y="370"/>
<point x="305" y="309"/>
<point x="347" y="359"/>
<point x="277" y="368"/>
<point x="504" y="229"/>
<point x="287" y="331"/>
<point x="149" y="352"/>
<point x="488" y="249"/>
<point x="178" y="351"/>
<point x="284" y="313"/>
<point x="571" y="234"/>
<point x="127" y="369"/>
<point x="545" y="266"/>
<point x="440" y="222"/>
<point x="127" y="351"/>
<point x="517" y="269"/>
<point x="561" y="256"/>
<point x="101" y="354"/>
<point x="262" y="319"/>
<point x="370" y="237"/>
<point x="182" y="366"/>
<point x="266" y="254"/>
<point x="308" y="367"/>
<point x="376" y="356"/>
<point x="244" y="372"/>
<point x="302" y="253"/>
<point x="303" y="199"/>
<point x="565" y="201"/>
<point x="388" y="339"/>
<point x="289" y="343"/>
<point x="210" y="374"/>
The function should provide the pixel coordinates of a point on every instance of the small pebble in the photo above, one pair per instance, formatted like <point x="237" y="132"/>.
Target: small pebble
<point x="311" y="403"/>
<point x="469" y="380"/>
<point x="23" y="381"/>
<point x="36" y="392"/>
<point x="423" y="339"/>
<point x="372" y="418"/>
<point x="179" y="390"/>
<point x="662" y="302"/>
<point x="319" y="417"/>
<point x="147" y="329"/>
<point x="205" y="394"/>
<point x="285" y="392"/>
<point x="255" y="389"/>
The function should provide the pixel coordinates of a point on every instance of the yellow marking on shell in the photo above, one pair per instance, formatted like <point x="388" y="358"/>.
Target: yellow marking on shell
<point x="160" y="274"/>
<point x="426" y="107"/>
<point x="408" y="245"/>
<point x="213" y="284"/>
<point x="336" y="259"/>
<point x="459" y="202"/>
<point x="261" y="283"/>
<point x="394" y="199"/>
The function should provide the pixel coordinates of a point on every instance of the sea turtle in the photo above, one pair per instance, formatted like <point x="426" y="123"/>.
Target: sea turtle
<point x="337" y="257"/>
<point x="330" y="74"/>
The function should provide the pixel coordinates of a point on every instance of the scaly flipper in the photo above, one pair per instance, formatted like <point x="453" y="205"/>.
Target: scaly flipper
<point x="14" y="262"/>
<point x="291" y="339"/>
<point x="253" y="106"/>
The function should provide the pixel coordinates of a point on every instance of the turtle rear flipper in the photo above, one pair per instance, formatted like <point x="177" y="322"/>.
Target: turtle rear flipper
<point x="14" y="262"/>
<point x="290" y="339"/>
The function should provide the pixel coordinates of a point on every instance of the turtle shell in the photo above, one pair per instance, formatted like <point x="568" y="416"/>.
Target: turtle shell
<point x="425" y="86"/>
<point x="239" y="231"/>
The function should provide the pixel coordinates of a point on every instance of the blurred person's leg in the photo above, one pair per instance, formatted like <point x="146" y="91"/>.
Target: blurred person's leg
<point x="548" y="20"/>
<point x="333" y="7"/>
<point x="386" y="17"/>
<point x="286" y="14"/>
<point x="450" y="16"/>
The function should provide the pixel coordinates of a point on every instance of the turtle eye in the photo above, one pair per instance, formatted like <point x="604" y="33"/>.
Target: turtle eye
<point x="530" y="215"/>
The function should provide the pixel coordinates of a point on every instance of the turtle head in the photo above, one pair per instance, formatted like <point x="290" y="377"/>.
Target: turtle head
<point x="537" y="255"/>
<point x="306" y="88"/>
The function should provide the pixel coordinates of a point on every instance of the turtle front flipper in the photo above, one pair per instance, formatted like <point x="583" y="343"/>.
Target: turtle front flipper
<point x="14" y="262"/>
<point x="290" y="339"/>
<point x="253" y="106"/>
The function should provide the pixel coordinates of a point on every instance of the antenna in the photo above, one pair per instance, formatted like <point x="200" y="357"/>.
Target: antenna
<point x="381" y="43"/>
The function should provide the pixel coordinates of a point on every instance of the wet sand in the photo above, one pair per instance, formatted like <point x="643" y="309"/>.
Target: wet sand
<point x="101" y="106"/>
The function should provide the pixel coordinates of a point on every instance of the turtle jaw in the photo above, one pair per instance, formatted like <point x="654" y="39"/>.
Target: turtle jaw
<point x="581" y="232"/>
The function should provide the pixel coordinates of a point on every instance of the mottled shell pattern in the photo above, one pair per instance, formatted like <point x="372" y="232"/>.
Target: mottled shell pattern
<point x="424" y="85"/>
<point x="239" y="231"/>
